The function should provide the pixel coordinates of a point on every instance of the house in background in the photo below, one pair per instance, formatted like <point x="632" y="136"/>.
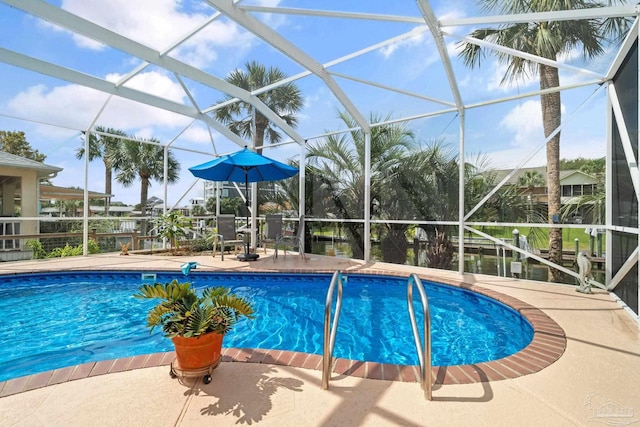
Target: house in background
<point x="577" y="183"/>
<point x="20" y="178"/>
<point x="21" y="191"/>
<point x="573" y="184"/>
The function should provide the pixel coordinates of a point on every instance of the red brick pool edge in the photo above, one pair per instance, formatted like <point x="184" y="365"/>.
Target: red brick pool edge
<point x="548" y="344"/>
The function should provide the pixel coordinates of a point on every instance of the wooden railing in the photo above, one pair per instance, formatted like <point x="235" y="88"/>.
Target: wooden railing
<point x="93" y="234"/>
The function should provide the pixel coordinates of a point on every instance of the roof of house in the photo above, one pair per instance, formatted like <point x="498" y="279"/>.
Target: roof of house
<point x="153" y="200"/>
<point x="49" y="192"/>
<point x="567" y="174"/>
<point x="18" y="162"/>
<point x="542" y="170"/>
<point x="501" y="173"/>
<point x="111" y="208"/>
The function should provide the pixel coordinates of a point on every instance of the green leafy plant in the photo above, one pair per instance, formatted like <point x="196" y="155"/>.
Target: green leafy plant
<point x="172" y="226"/>
<point x="65" y="251"/>
<point x="182" y="312"/>
<point x="202" y="245"/>
<point x="37" y="248"/>
<point x="69" y="250"/>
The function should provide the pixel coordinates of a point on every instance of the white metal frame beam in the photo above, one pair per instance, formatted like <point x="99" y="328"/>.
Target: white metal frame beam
<point x="95" y="32"/>
<point x="260" y="30"/>
<point x="624" y="50"/>
<point x="561" y="15"/>
<point x="526" y="56"/>
<point x="332" y="14"/>
<point x="524" y="161"/>
<point x="28" y="63"/>
<point x="564" y="15"/>
<point x="632" y="162"/>
<point x="436" y="32"/>
<point x="326" y="65"/>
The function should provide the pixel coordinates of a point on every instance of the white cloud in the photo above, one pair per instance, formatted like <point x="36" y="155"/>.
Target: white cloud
<point x="156" y="23"/>
<point x="80" y="41"/>
<point x="200" y="51"/>
<point x="512" y="157"/>
<point x="157" y="83"/>
<point x="199" y="135"/>
<point x="571" y="147"/>
<point x="419" y="37"/>
<point x="498" y="72"/>
<point x="160" y="24"/>
<point x="70" y="105"/>
<point x="76" y="107"/>
<point x="524" y="122"/>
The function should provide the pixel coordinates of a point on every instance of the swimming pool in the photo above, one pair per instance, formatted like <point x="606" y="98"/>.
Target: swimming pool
<point x="51" y="320"/>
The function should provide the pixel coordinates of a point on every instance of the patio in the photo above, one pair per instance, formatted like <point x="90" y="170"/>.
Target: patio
<point x="594" y="380"/>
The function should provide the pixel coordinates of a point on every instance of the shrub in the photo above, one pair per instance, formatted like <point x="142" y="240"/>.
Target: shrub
<point x="69" y="250"/>
<point x="37" y="248"/>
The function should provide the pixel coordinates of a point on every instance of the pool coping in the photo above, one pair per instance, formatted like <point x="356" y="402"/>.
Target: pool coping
<point x="547" y="346"/>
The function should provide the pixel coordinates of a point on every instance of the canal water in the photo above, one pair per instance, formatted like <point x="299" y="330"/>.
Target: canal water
<point x="474" y="263"/>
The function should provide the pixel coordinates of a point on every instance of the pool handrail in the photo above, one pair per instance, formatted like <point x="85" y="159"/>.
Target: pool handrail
<point x="330" y="338"/>
<point x="424" y="353"/>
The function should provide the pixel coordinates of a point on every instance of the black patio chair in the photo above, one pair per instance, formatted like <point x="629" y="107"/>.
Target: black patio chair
<point x="226" y="235"/>
<point x="292" y="240"/>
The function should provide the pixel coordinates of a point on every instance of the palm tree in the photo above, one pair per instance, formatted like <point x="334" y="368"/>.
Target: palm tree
<point x="506" y="204"/>
<point x="146" y="162"/>
<point x="340" y="160"/>
<point x="432" y="183"/>
<point x="547" y="40"/>
<point x="103" y="147"/>
<point x="529" y="180"/>
<point x="245" y="120"/>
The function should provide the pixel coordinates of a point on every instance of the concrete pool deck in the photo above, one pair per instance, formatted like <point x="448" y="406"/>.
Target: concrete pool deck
<point x="594" y="380"/>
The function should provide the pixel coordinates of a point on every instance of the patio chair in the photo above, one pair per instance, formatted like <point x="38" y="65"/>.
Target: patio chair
<point x="292" y="240"/>
<point x="273" y="230"/>
<point x="226" y="235"/>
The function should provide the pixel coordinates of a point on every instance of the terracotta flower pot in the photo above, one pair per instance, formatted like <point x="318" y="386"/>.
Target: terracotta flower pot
<point x="199" y="352"/>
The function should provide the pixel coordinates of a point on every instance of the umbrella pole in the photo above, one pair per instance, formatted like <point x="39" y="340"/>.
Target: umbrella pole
<point x="246" y="197"/>
<point x="247" y="234"/>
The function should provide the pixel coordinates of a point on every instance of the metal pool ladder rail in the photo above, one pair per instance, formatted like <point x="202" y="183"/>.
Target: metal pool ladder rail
<point x="424" y="353"/>
<point x="330" y="337"/>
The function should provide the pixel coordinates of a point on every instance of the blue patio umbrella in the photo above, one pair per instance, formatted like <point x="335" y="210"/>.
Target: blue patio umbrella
<point x="244" y="166"/>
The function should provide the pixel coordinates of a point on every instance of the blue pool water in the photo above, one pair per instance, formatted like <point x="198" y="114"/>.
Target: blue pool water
<point x="60" y="319"/>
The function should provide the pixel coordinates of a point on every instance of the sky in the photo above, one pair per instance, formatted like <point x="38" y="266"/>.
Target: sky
<point x="52" y="112"/>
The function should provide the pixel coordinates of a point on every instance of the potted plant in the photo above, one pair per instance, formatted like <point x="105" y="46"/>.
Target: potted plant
<point x="196" y="323"/>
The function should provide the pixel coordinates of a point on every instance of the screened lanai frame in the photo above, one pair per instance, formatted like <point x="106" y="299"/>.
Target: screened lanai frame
<point x="246" y="16"/>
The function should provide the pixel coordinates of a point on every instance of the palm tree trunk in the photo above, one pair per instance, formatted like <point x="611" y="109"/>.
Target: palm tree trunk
<point x="144" y="192"/>
<point x="394" y="244"/>
<point x="551" y="110"/>
<point x="261" y="124"/>
<point x="107" y="187"/>
<point x="355" y="233"/>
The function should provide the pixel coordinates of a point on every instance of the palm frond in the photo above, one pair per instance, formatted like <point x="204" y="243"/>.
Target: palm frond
<point x="183" y="312"/>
